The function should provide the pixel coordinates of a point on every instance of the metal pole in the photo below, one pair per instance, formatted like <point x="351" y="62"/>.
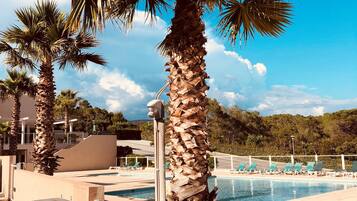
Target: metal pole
<point x="156" y="111"/>
<point x="343" y="162"/>
<point x="161" y="142"/>
<point x="316" y="158"/>
<point x="147" y="162"/>
<point x="292" y="159"/>
<point x="293" y="147"/>
<point x="293" y="144"/>
<point x="269" y="160"/>
<point x="250" y="160"/>
<point x="156" y="154"/>
<point x="23" y="132"/>
<point x="232" y="165"/>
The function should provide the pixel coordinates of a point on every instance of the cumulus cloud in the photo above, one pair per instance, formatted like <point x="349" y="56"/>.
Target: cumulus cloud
<point x="214" y="47"/>
<point x="114" y="88"/>
<point x="299" y="99"/>
<point x="260" y="68"/>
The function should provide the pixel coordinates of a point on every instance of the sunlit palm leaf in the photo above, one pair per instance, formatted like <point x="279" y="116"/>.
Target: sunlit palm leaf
<point x="91" y="14"/>
<point x="14" y="58"/>
<point x="79" y="60"/>
<point x="211" y="4"/>
<point x="243" y="18"/>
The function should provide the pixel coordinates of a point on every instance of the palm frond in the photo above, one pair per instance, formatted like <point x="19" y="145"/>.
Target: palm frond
<point x="122" y="12"/>
<point x="87" y="14"/>
<point x="152" y="6"/>
<point x="212" y="4"/>
<point x="27" y="16"/>
<point x="243" y="18"/>
<point x="48" y="12"/>
<point x="16" y="84"/>
<point x="15" y="58"/>
<point x="85" y="40"/>
<point x="80" y="60"/>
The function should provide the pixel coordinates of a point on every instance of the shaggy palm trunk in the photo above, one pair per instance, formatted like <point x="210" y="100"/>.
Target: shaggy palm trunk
<point x="44" y="143"/>
<point x="187" y="124"/>
<point x="14" y="125"/>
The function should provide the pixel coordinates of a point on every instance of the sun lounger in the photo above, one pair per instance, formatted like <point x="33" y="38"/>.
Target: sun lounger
<point x="298" y="168"/>
<point x="273" y="169"/>
<point x="252" y="168"/>
<point x="353" y="172"/>
<point x="134" y="167"/>
<point x="310" y="168"/>
<point x="337" y="173"/>
<point x="240" y="168"/>
<point x="318" y="168"/>
<point x="288" y="168"/>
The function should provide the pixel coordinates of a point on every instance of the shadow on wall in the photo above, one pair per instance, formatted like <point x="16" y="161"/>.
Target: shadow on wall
<point x="94" y="153"/>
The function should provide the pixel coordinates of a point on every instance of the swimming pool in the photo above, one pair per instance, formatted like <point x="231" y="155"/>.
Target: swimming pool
<point x="242" y="189"/>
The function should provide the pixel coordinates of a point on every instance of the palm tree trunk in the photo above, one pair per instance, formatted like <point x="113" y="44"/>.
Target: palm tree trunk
<point x="66" y="123"/>
<point x="14" y="125"/>
<point x="44" y="143"/>
<point x="187" y="123"/>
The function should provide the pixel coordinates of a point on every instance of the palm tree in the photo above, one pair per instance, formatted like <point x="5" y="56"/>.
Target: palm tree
<point x="13" y="87"/>
<point x="184" y="46"/>
<point x="66" y="102"/>
<point x="4" y="131"/>
<point x="39" y="42"/>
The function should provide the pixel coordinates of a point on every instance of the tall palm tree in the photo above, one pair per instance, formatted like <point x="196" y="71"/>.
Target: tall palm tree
<point x="13" y="87"/>
<point x="66" y="102"/>
<point x="4" y="131"/>
<point x="184" y="46"/>
<point x="40" y="41"/>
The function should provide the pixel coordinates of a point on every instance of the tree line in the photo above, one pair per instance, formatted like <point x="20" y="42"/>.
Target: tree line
<point x="237" y="131"/>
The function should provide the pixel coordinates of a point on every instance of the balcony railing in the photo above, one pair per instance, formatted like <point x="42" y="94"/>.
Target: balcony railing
<point x="60" y="138"/>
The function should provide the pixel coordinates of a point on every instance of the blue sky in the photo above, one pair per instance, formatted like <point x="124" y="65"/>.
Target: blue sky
<point x="309" y="70"/>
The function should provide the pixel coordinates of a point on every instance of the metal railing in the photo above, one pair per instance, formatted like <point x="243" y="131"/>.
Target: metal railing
<point x="230" y="162"/>
<point x="60" y="138"/>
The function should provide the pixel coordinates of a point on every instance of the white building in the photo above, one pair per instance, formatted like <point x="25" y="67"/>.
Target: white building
<point x="27" y="127"/>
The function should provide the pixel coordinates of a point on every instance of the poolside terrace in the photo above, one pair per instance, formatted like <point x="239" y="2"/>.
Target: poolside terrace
<point x="138" y="179"/>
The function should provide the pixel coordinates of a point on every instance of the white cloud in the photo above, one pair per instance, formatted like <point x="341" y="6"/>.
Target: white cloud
<point x="318" y="111"/>
<point x="260" y="68"/>
<point x="116" y="89"/>
<point x="232" y="97"/>
<point x="114" y="105"/>
<point x="299" y="100"/>
<point x="213" y="46"/>
<point x="115" y="81"/>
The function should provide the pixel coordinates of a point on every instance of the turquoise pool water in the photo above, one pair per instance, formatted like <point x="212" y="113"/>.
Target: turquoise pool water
<point x="231" y="189"/>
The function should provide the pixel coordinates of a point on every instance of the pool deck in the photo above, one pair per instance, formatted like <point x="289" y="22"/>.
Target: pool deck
<point x="143" y="179"/>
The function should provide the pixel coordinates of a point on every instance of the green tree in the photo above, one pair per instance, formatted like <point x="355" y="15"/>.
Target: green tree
<point x="13" y="87"/>
<point x="40" y="41"/>
<point x="184" y="45"/>
<point x="66" y="103"/>
<point x="4" y="131"/>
